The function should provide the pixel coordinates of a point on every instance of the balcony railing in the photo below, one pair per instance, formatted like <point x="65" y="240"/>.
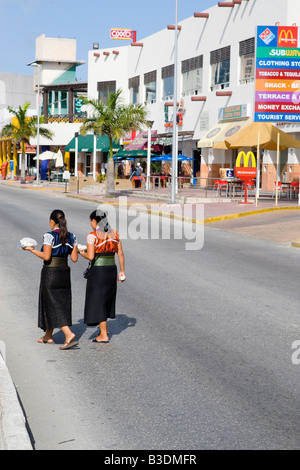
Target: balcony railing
<point x="67" y="118"/>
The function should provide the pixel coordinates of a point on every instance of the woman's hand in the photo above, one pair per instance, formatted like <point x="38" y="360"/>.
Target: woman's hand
<point x="27" y="248"/>
<point x="122" y="277"/>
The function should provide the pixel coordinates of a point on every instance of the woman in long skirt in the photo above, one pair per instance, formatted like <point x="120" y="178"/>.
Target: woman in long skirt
<point x="55" y="298"/>
<point x="103" y="244"/>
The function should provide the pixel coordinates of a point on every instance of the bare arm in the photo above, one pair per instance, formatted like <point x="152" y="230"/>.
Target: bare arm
<point x="121" y="261"/>
<point x="90" y="252"/>
<point x="45" y="254"/>
<point x="74" y="254"/>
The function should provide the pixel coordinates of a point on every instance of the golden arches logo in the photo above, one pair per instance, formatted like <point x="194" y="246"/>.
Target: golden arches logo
<point x="246" y="159"/>
<point x="287" y="36"/>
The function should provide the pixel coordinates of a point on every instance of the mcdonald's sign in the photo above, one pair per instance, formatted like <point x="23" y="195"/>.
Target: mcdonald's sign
<point x="246" y="172"/>
<point x="287" y="36"/>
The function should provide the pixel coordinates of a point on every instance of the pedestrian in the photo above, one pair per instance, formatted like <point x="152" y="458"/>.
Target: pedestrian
<point x="55" y="297"/>
<point x="139" y="169"/>
<point x="101" y="289"/>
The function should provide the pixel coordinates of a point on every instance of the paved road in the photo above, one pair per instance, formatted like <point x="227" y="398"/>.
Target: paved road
<point x="200" y="354"/>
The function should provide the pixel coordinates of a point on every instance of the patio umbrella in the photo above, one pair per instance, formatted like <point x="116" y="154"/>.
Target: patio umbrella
<point x="183" y="158"/>
<point x="263" y="134"/>
<point x="162" y="158"/>
<point x="59" y="161"/>
<point x="266" y="136"/>
<point x="47" y="155"/>
<point x="168" y="158"/>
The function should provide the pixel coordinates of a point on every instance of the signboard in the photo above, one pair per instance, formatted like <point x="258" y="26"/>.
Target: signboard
<point x="226" y="173"/>
<point x="121" y="34"/>
<point x="233" y="112"/>
<point x="246" y="172"/>
<point x="277" y="85"/>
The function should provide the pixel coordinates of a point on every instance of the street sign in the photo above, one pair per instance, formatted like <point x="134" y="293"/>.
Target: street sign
<point x="277" y="85"/>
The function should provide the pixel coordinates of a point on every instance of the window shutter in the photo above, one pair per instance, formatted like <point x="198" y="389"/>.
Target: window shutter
<point x="150" y="77"/>
<point x="247" y="46"/>
<point x="220" y="55"/>
<point x="107" y="86"/>
<point x="192" y="64"/>
<point x="134" y="82"/>
<point x="167" y="71"/>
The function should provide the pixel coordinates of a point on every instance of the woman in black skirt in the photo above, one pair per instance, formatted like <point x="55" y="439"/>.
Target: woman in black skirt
<point x="55" y="298"/>
<point x="100" y="300"/>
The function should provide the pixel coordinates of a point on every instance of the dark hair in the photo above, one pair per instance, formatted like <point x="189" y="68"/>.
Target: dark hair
<point x="59" y="218"/>
<point x="99" y="215"/>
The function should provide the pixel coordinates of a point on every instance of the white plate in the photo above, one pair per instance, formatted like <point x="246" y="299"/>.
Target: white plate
<point x="25" y="242"/>
<point x="81" y="247"/>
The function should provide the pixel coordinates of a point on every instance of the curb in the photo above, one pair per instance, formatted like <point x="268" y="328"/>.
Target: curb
<point x="296" y="243"/>
<point x="13" y="432"/>
<point x="208" y="220"/>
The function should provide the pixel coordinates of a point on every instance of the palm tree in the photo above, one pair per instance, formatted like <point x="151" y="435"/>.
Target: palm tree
<point x="113" y="119"/>
<point x="22" y="128"/>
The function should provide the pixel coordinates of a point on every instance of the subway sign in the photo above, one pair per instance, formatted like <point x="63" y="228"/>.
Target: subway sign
<point x="277" y="81"/>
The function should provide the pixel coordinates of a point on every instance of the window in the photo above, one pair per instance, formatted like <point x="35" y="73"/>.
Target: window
<point x="167" y="75"/>
<point x="64" y="102"/>
<point x="104" y="89"/>
<point x="134" y="89"/>
<point x="192" y="75"/>
<point x="150" y="87"/>
<point x="88" y="164"/>
<point x="247" y="60"/>
<point x="220" y="68"/>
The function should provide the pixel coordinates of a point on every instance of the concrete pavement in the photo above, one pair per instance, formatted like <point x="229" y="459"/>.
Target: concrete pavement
<point x="276" y="223"/>
<point x="13" y="431"/>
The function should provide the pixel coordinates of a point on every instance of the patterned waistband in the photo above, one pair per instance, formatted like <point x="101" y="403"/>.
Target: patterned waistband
<point x="108" y="260"/>
<point x="56" y="262"/>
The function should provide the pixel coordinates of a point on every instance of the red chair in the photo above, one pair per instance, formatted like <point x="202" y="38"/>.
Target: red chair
<point x="281" y="189"/>
<point x="219" y="185"/>
<point x="294" y="188"/>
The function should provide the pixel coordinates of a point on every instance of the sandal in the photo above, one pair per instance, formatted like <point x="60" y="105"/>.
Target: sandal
<point x="69" y="345"/>
<point x="43" y="341"/>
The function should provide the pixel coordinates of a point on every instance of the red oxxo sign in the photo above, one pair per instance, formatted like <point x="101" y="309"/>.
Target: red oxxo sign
<point x="122" y="34"/>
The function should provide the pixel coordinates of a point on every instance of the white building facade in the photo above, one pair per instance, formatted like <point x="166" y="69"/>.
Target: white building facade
<point x="216" y="80"/>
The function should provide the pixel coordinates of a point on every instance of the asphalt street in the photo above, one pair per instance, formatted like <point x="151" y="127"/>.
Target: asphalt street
<point x="202" y="353"/>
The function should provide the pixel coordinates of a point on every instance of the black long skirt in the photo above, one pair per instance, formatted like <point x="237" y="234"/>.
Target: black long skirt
<point x="55" y="298"/>
<point x="100" y="297"/>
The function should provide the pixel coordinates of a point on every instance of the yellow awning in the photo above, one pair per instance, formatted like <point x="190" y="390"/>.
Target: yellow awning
<point x="212" y="136"/>
<point x="232" y="128"/>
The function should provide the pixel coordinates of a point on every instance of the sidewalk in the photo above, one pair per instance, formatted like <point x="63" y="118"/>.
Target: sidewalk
<point x="13" y="432"/>
<point x="278" y="223"/>
<point x="215" y="209"/>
